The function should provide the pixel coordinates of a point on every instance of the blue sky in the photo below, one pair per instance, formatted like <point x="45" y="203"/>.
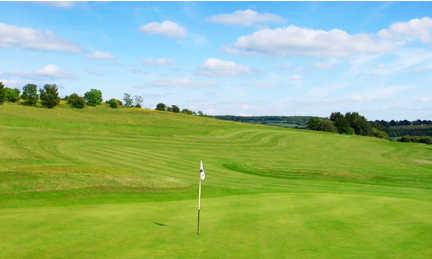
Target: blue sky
<point x="242" y="58"/>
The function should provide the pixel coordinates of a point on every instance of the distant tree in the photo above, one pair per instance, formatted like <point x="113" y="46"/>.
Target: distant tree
<point x="114" y="103"/>
<point x="314" y="123"/>
<point x="30" y="95"/>
<point x="127" y="98"/>
<point x="138" y="101"/>
<point x="327" y="125"/>
<point x="186" y="111"/>
<point x="2" y="93"/>
<point x="76" y="101"/>
<point x="12" y="95"/>
<point x="341" y="123"/>
<point x="161" y="107"/>
<point x="379" y="133"/>
<point x="49" y="96"/>
<point x="93" y="97"/>
<point x="377" y="124"/>
<point x="359" y="123"/>
<point x="200" y="113"/>
<point x="175" y="108"/>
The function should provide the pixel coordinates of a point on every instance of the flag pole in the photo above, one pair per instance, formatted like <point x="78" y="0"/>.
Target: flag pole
<point x="199" y="206"/>
<point x="202" y="177"/>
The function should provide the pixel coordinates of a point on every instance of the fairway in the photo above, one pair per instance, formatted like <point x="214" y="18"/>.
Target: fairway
<point x="101" y="182"/>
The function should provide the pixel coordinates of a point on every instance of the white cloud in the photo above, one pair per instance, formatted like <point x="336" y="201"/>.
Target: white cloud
<point x="378" y="93"/>
<point x="217" y="67"/>
<point x="400" y="61"/>
<point x="415" y="29"/>
<point x="287" y="66"/>
<point x="246" y="18"/>
<point x="427" y="99"/>
<point x="100" y="55"/>
<point x="293" y="40"/>
<point x="11" y="83"/>
<point x="296" y="77"/>
<point x="94" y="73"/>
<point x="358" y="63"/>
<point x="27" y="38"/>
<point x="157" y="61"/>
<point x="48" y="72"/>
<point x="61" y="4"/>
<point x="321" y="92"/>
<point x="326" y="65"/>
<point x="180" y="82"/>
<point x="422" y="68"/>
<point x="166" y="28"/>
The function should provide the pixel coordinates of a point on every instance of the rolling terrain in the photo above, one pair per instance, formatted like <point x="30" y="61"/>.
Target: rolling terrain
<point x="101" y="182"/>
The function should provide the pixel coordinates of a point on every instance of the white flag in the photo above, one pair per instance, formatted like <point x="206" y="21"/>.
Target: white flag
<point x="202" y="171"/>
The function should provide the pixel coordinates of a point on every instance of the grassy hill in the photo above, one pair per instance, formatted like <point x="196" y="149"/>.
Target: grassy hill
<point x="103" y="182"/>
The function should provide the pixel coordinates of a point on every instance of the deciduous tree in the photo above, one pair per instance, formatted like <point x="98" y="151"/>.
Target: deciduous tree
<point x="30" y="95"/>
<point x="93" y="97"/>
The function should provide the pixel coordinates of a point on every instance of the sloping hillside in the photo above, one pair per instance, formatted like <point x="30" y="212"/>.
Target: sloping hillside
<point x="144" y="165"/>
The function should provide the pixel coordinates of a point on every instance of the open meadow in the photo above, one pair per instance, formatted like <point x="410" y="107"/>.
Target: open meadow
<point x="101" y="182"/>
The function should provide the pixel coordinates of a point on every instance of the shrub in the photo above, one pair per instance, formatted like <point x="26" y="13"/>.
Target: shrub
<point x="49" y="96"/>
<point x="405" y="139"/>
<point x="2" y="93"/>
<point x="161" y="107"/>
<point x="379" y="133"/>
<point x="426" y="140"/>
<point x="76" y="101"/>
<point x="328" y="125"/>
<point x="93" y="97"/>
<point x="417" y="139"/>
<point x="114" y="103"/>
<point x="186" y="111"/>
<point x="29" y="94"/>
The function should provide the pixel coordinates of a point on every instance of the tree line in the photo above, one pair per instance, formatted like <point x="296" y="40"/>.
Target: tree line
<point x="48" y="96"/>
<point x="351" y="123"/>
<point x="354" y="123"/>
<point x="394" y="123"/>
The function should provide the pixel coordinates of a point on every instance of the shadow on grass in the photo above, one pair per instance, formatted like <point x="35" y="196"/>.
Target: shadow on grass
<point x="160" y="224"/>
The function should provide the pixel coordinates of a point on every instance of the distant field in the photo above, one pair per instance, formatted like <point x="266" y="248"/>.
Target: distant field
<point x="101" y="182"/>
<point x="298" y="122"/>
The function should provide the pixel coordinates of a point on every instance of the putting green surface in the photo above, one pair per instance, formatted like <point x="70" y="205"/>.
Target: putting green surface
<point x="103" y="182"/>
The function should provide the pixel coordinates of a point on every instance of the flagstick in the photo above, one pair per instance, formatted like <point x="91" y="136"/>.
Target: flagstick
<point x="199" y="206"/>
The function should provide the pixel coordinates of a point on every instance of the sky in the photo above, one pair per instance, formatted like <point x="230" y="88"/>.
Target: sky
<point x="238" y="58"/>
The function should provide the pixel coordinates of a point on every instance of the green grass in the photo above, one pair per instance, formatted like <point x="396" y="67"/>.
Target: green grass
<point x="103" y="182"/>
